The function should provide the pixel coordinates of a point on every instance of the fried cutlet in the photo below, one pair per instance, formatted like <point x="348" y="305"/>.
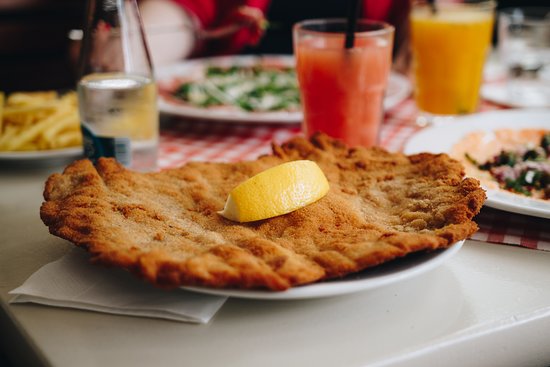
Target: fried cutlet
<point x="164" y="226"/>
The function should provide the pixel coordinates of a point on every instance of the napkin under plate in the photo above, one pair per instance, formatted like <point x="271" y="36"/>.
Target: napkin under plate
<point x="72" y="281"/>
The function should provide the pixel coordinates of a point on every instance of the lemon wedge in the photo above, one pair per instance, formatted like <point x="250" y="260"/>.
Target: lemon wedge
<point x="276" y="191"/>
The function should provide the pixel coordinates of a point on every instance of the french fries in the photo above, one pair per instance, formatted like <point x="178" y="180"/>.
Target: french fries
<point x="39" y="121"/>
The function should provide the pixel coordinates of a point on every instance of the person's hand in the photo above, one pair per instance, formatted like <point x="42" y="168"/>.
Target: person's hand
<point x="253" y="19"/>
<point x="243" y="17"/>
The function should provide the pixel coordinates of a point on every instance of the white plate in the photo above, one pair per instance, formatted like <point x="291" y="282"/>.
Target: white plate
<point x="441" y="138"/>
<point x="399" y="89"/>
<point x="378" y="276"/>
<point x="40" y="156"/>
<point x="529" y="94"/>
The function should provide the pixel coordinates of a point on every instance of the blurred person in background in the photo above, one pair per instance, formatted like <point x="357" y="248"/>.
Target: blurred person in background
<point x="180" y="29"/>
<point x="221" y="27"/>
<point x="35" y="47"/>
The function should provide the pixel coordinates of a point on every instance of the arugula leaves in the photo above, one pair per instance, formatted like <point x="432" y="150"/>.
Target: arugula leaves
<point x="528" y="178"/>
<point x="250" y="88"/>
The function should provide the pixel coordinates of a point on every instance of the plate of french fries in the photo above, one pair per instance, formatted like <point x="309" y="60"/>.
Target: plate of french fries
<point x="37" y="125"/>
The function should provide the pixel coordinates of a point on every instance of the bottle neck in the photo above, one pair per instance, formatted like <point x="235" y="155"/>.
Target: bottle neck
<point x="114" y="40"/>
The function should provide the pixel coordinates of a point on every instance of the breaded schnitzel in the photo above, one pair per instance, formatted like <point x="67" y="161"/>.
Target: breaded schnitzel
<point x="165" y="227"/>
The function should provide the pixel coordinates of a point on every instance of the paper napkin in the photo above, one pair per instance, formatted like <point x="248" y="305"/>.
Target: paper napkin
<point x="73" y="282"/>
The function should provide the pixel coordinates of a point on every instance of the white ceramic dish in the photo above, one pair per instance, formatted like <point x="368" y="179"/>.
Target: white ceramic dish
<point x="441" y="138"/>
<point x="399" y="89"/>
<point x="530" y="94"/>
<point x="379" y="276"/>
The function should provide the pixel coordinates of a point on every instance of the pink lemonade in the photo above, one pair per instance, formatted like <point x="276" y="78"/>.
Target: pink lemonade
<point x="343" y="90"/>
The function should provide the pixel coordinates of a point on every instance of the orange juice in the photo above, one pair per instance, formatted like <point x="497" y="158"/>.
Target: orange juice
<point x="343" y="89"/>
<point x="449" y="51"/>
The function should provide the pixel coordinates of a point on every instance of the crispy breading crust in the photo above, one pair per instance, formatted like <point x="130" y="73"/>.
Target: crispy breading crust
<point x="164" y="226"/>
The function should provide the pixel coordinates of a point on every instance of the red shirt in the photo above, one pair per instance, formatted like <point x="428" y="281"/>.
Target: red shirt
<point x="216" y="13"/>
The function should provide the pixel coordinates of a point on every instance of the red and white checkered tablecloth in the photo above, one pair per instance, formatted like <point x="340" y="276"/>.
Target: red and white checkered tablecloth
<point x="183" y="141"/>
<point x="513" y="229"/>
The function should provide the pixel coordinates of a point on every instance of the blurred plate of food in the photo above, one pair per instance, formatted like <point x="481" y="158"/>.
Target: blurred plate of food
<point x="508" y="151"/>
<point x="38" y="126"/>
<point x="243" y="89"/>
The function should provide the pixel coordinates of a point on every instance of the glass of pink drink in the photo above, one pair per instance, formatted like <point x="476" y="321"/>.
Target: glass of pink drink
<point x="342" y="90"/>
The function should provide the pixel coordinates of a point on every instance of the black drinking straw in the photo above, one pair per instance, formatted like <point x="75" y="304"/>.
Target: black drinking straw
<point x="353" y="14"/>
<point x="433" y="8"/>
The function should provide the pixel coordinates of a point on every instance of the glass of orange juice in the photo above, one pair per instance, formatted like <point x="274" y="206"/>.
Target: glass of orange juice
<point x="342" y="89"/>
<point x="450" y="42"/>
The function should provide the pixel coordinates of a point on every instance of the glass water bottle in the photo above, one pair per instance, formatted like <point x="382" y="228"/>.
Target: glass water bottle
<point x="116" y="91"/>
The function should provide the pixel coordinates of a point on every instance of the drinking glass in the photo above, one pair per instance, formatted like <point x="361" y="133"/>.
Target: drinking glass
<point x="116" y="92"/>
<point x="342" y="89"/>
<point x="450" y="43"/>
<point x="524" y="49"/>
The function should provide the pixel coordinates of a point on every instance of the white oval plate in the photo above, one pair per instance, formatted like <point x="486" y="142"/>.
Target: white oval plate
<point x="375" y="277"/>
<point x="399" y="88"/>
<point x="442" y="137"/>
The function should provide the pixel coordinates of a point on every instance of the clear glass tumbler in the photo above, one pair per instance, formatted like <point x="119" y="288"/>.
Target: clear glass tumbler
<point x="450" y="44"/>
<point x="524" y="49"/>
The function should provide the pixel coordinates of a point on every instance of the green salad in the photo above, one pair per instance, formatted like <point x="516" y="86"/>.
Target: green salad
<point x="250" y="88"/>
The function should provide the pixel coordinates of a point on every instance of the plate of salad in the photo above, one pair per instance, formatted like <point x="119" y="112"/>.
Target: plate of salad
<point x="244" y="89"/>
<point x="508" y="151"/>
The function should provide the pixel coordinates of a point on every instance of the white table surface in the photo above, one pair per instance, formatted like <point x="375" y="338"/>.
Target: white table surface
<point x="489" y="305"/>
